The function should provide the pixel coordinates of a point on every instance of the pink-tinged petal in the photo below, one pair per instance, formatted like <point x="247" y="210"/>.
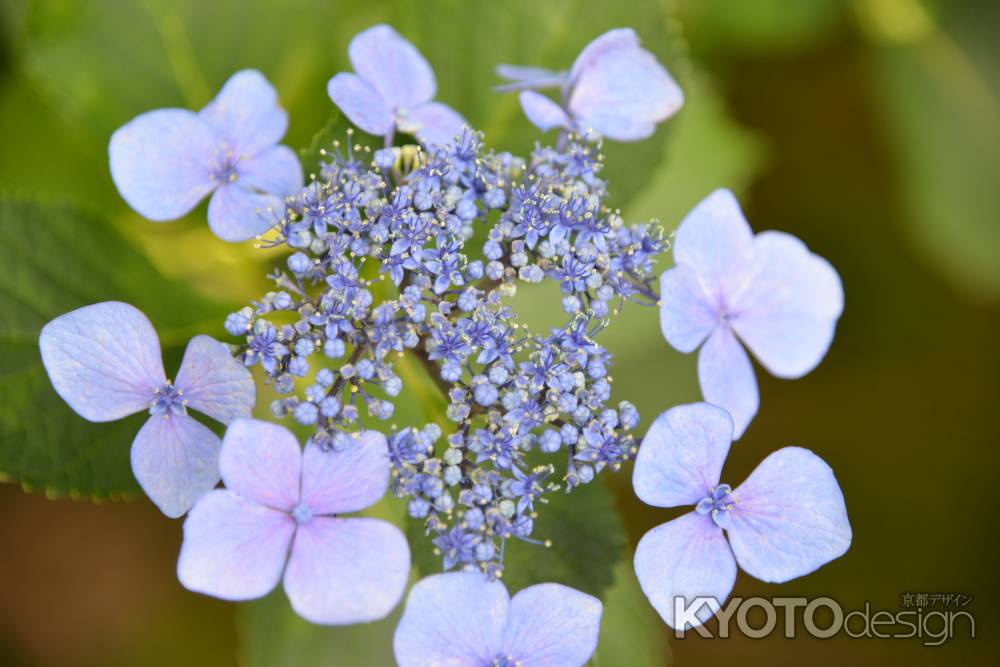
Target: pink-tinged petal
<point x="275" y="170"/>
<point x="680" y="561"/>
<point x="237" y="214"/>
<point x="234" y="548"/>
<point x="161" y="162"/>
<point x="552" y="624"/>
<point x="393" y="67"/>
<point x="263" y="462"/>
<point x="346" y="570"/>
<point x="789" y="518"/>
<point x="681" y="457"/>
<point x="213" y="382"/>
<point x="433" y="123"/>
<point x="455" y="619"/>
<point x="789" y="310"/>
<point x="715" y="241"/>
<point x="686" y="313"/>
<point x="612" y="40"/>
<point x="247" y="114"/>
<point x="542" y="112"/>
<point x="535" y="78"/>
<point x="103" y="360"/>
<point x="361" y="104"/>
<point x="176" y="461"/>
<point x="727" y="379"/>
<point x="348" y="480"/>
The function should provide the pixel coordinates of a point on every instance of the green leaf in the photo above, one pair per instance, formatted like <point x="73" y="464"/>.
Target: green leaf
<point x="56" y="259"/>
<point x="632" y="633"/>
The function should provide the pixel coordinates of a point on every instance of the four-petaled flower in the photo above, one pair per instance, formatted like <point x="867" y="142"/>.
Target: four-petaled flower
<point x="781" y="300"/>
<point x="467" y="620"/>
<point x="787" y="519"/>
<point x="104" y="361"/>
<point x="282" y="504"/>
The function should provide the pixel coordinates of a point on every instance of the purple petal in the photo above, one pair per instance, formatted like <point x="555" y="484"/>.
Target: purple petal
<point x="261" y="461"/>
<point x="339" y="481"/>
<point x="536" y="78"/>
<point x="161" y="162"/>
<point x="789" y="517"/>
<point x="213" y="382"/>
<point x="275" y="170"/>
<point x="237" y="214"/>
<point x="790" y="308"/>
<point x="233" y="548"/>
<point x="433" y="123"/>
<point x="361" y="104"/>
<point x="686" y="313"/>
<point x="612" y="40"/>
<point x="541" y="111"/>
<point x="551" y="624"/>
<point x="103" y="360"/>
<point x="715" y="241"/>
<point x="176" y="461"/>
<point x="346" y="570"/>
<point x="393" y="67"/>
<point x="727" y="378"/>
<point x="686" y="558"/>
<point x="247" y="114"/>
<point x="681" y="457"/>
<point x="455" y="619"/>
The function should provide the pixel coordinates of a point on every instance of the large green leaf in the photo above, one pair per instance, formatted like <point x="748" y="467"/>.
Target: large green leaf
<point x="56" y="259"/>
<point x="632" y="633"/>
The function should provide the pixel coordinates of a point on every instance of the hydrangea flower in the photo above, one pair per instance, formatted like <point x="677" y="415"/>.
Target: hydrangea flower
<point x="781" y="300"/>
<point x="104" y="361"/>
<point x="615" y="88"/>
<point x="787" y="519"/>
<point x="465" y="619"/>
<point x="284" y="504"/>
<point x="392" y="89"/>
<point x="166" y="161"/>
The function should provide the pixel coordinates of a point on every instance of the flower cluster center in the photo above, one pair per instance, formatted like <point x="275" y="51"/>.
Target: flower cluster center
<point x="168" y="400"/>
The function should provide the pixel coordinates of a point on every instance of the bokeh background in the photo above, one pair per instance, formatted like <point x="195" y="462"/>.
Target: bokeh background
<point x="868" y="128"/>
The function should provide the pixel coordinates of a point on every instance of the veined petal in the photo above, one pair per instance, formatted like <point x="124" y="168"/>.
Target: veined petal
<point x="789" y="518"/>
<point x="681" y="457"/>
<point x="392" y="66"/>
<point x="103" y="360"/>
<point x="361" y="104"/>
<point x="612" y="40"/>
<point x="213" y="382"/>
<point x="687" y="314"/>
<point x="340" y="481"/>
<point x="161" y="162"/>
<point x="727" y="379"/>
<point x="263" y="462"/>
<point x="455" y="619"/>
<point x="541" y="111"/>
<point x="682" y="560"/>
<point x="552" y="624"/>
<point x="345" y="571"/>
<point x="233" y="548"/>
<point x="237" y="214"/>
<point x="275" y="170"/>
<point x="433" y="123"/>
<point x="247" y="114"/>
<point x="176" y="461"/>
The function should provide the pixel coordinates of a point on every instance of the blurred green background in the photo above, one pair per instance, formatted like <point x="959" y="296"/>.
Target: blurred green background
<point x="868" y="128"/>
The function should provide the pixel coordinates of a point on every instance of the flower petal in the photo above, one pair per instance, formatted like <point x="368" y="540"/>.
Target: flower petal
<point x="213" y="382"/>
<point x="339" y="481"/>
<point x="237" y="214"/>
<point x="176" y="461"/>
<point x="261" y="461"/>
<point x="522" y="77"/>
<point x="727" y="379"/>
<point x="681" y="457"/>
<point x="361" y="104"/>
<point x="247" y="114"/>
<point x="789" y="518"/>
<point x="103" y="360"/>
<point x="393" y="67"/>
<point x="552" y="624"/>
<point x="682" y="560"/>
<point x="541" y="111"/>
<point x="233" y="548"/>
<point x="433" y="123"/>
<point x="161" y="162"/>
<point x="346" y="570"/>
<point x="686" y="313"/>
<point x="612" y="40"/>
<point x="455" y="619"/>
<point x="275" y="170"/>
<point x="790" y="308"/>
